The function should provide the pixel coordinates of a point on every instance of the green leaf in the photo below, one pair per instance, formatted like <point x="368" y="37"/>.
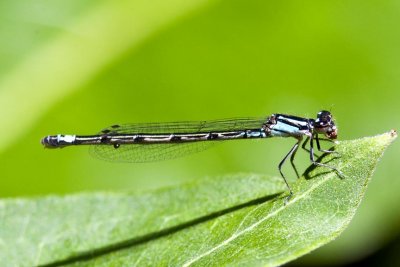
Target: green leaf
<point x="233" y="220"/>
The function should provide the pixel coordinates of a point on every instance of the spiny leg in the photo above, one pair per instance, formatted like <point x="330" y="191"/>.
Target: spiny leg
<point x="303" y="146"/>
<point x="319" y="147"/>
<point x="326" y="139"/>
<point x="294" y="148"/>
<point x="293" y="155"/>
<point x="318" y="163"/>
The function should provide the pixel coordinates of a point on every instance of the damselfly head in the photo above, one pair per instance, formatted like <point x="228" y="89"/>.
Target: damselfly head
<point x="324" y="124"/>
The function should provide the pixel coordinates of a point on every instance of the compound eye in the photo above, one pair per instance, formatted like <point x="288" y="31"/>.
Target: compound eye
<point x="324" y="118"/>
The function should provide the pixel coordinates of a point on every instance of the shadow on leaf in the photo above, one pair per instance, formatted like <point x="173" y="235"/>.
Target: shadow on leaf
<point x="324" y="158"/>
<point x="136" y="241"/>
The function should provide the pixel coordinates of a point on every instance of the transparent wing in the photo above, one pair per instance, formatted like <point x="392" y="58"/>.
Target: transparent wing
<point x="148" y="152"/>
<point x="186" y="126"/>
<point x="164" y="151"/>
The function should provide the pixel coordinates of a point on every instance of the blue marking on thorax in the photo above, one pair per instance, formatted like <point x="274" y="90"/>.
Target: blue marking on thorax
<point x="285" y="130"/>
<point x="254" y="134"/>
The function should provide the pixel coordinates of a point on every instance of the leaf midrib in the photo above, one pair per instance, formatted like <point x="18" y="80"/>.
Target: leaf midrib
<point x="254" y="225"/>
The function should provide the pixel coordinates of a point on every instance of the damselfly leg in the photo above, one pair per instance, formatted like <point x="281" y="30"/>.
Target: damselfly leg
<point x="313" y="161"/>
<point x="317" y="139"/>
<point x="291" y="153"/>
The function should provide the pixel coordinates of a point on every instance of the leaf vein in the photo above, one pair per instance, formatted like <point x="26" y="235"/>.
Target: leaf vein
<point x="254" y="225"/>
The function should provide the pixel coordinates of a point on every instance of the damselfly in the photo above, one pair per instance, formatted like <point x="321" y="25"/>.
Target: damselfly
<point x="158" y="141"/>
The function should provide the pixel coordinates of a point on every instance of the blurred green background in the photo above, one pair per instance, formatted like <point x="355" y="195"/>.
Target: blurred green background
<point x="75" y="67"/>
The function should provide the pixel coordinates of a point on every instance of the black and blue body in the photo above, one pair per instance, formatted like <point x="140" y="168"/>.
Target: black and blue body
<point x="158" y="141"/>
